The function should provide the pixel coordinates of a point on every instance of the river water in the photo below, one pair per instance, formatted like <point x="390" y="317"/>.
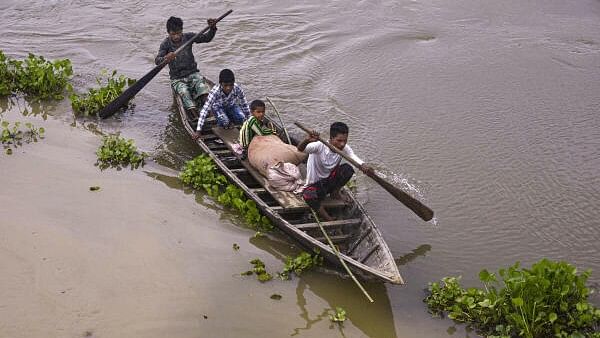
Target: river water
<point x="488" y="111"/>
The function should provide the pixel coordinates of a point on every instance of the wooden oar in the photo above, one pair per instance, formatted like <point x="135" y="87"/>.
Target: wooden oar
<point x="130" y="92"/>
<point x="413" y="204"/>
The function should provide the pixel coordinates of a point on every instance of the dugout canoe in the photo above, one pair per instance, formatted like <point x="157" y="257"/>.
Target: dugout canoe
<point x="359" y="241"/>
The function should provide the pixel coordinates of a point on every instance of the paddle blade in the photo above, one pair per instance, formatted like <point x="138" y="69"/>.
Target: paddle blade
<point x="413" y="204"/>
<point x="129" y="93"/>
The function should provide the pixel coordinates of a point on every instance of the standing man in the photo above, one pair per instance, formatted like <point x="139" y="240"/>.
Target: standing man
<point x="183" y="70"/>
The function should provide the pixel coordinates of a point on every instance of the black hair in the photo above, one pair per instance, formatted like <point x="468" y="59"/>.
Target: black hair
<point x="226" y="76"/>
<point x="174" y="24"/>
<point x="337" y="128"/>
<point x="256" y="103"/>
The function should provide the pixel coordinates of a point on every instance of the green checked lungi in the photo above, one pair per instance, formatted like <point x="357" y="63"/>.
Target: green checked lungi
<point x="190" y="88"/>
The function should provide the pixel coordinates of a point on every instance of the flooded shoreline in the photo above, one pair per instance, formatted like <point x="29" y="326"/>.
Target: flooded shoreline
<point x="489" y="110"/>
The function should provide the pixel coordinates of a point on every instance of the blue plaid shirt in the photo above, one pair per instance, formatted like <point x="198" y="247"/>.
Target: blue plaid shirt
<point x="217" y="101"/>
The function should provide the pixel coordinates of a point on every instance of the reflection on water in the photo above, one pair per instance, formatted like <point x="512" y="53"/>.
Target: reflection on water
<point x="301" y="302"/>
<point x="373" y="319"/>
<point x="176" y="146"/>
<point x="27" y="106"/>
<point x="421" y="250"/>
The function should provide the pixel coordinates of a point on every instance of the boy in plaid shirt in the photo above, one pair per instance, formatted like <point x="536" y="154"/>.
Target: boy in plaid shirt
<point x="227" y="101"/>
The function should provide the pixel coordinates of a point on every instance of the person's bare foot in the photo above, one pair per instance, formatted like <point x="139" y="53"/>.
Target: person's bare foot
<point x="324" y="215"/>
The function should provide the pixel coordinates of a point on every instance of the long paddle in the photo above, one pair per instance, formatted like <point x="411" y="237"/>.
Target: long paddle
<point x="413" y="204"/>
<point x="130" y="92"/>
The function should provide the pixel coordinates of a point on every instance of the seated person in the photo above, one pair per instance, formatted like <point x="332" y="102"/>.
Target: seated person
<point x="227" y="101"/>
<point x="324" y="173"/>
<point x="255" y="125"/>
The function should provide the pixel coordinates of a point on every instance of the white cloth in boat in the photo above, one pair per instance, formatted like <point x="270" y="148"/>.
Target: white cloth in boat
<point x="322" y="160"/>
<point x="285" y="177"/>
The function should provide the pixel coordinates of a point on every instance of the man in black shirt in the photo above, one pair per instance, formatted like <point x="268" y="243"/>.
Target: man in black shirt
<point x="183" y="70"/>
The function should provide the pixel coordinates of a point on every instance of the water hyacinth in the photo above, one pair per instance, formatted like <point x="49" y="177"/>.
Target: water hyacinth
<point x="94" y="100"/>
<point x="548" y="300"/>
<point x="13" y="136"/>
<point x="202" y="173"/>
<point x="118" y="152"/>
<point x="35" y="76"/>
<point x="304" y="261"/>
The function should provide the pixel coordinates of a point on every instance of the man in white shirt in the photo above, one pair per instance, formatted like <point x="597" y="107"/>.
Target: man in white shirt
<point x="324" y="174"/>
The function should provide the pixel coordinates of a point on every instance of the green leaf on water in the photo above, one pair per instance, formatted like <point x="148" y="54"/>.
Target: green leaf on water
<point x="276" y="296"/>
<point x="339" y="316"/>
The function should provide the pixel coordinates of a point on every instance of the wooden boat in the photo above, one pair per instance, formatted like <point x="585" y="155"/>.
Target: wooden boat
<point x="359" y="241"/>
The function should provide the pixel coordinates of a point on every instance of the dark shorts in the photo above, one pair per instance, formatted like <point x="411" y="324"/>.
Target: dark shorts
<point x="315" y="193"/>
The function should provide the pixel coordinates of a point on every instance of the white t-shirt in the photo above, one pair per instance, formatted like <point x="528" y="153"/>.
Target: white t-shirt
<point x="322" y="160"/>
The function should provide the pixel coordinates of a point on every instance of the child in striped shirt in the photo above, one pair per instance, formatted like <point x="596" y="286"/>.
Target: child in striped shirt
<point x="255" y="125"/>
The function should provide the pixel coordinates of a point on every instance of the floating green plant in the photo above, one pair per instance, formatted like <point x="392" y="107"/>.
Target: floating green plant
<point x="202" y="173"/>
<point x="260" y="270"/>
<point x="13" y="136"/>
<point x="304" y="261"/>
<point x="35" y="76"/>
<point x="339" y="315"/>
<point x="118" y="152"/>
<point x="94" y="100"/>
<point x="7" y="76"/>
<point x="548" y="300"/>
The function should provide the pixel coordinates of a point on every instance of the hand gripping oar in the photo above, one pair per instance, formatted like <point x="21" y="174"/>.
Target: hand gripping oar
<point x="413" y="204"/>
<point x="130" y="92"/>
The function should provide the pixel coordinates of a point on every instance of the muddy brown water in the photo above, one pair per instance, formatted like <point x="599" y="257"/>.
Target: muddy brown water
<point x="489" y="112"/>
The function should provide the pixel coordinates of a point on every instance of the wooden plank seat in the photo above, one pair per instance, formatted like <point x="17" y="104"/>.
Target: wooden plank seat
<point x="330" y="224"/>
<point x="328" y="203"/>
<point x="335" y="239"/>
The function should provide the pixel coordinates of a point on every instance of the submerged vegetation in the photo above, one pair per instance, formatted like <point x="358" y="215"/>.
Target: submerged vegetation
<point x="201" y="173"/>
<point x="13" y="136"/>
<point x="117" y="152"/>
<point x="94" y="100"/>
<point x="548" y="300"/>
<point x="35" y="76"/>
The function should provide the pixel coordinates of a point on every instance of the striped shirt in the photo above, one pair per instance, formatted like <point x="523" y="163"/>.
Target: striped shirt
<point x="217" y="101"/>
<point x="251" y="128"/>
